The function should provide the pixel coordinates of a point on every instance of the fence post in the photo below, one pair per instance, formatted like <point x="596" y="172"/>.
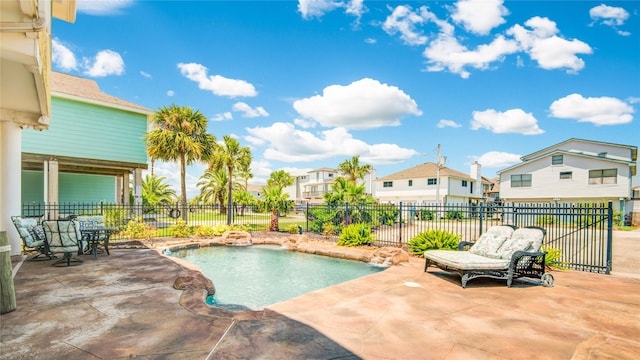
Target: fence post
<point x="346" y="214"/>
<point x="7" y="290"/>
<point x="400" y="227"/>
<point x="306" y="215"/>
<point x="481" y="209"/>
<point x="609" y="237"/>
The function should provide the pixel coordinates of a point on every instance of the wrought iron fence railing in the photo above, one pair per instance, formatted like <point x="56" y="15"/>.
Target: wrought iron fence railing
<point x="582" y="232"/>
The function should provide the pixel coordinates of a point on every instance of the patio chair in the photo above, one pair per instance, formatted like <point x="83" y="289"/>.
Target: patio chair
<point x="497" y="256"/>
<point x="63" y="237"/>
<point x="32" y="236"/>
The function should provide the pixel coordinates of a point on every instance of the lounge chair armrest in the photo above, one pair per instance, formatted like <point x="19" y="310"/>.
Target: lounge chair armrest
<point x="520" y="258"/>
<point x="464" y="245"/>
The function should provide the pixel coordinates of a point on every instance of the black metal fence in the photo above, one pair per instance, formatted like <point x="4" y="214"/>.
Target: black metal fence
<point x="582" y="232"/>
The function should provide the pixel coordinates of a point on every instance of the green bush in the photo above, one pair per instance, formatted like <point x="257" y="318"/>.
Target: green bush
<point x="328" y="229"/>
<point x="356" y="235"/>
<point x="552" y="259"/>
<point x="388" y="215"/>
<point x="292" y="229"/>
<point x="137" y="229"/>
<point x="546" y="220"/>
<point x="454" y="215"/>
<point x="180" y="229"/>
<point x="114" y="216"/>
<point x="434" y="239"/>
<point x="425" y="214"/>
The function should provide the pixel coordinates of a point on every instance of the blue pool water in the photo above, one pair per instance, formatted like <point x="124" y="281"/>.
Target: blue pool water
<point x="254" y="277"/>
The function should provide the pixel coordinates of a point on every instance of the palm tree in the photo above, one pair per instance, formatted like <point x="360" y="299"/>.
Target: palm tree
<point x="275" y="199"/>
<point x="243" y="198"/>
<point x="156" y="191"/>
<point x="230" y="155"/>
<point x="213" y="187"/>
<point x="346" y="191"/>
<point x="244" y="173"/>
<point x="280" y="178"/>
<point x="179" y="134"/>
<point x="353" y="170"/>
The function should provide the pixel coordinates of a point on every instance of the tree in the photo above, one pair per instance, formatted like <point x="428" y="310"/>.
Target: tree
<point x="346" y="191"/>
<point x="213" y="187"/>
<point x="230" y="155"/>
<point x="353" y="170"/>
<point x="275" y="200"/>
<point x="280" y="178"/>
<point x="156" y="191"/>
<point x="179" y="134"/>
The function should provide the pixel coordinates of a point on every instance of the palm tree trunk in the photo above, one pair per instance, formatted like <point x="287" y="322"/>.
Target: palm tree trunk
<point x="274" y="226"/>
<point x="230" y="200"/>
<point x="183" y="188"/>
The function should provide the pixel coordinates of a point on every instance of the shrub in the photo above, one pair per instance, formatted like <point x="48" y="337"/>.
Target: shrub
<point x="114" y="216"/>
<point x="180" y="229"/>
<point x="328" y="229"/>
<point x="434" y="239"/>
<point x="552" y="259"/>
<point x="292" y="229"/>
<point x="546" y="220"/>
<point x="356" y="235"/>
<point x="425" y="214"/>
<point x="454" y="215"/>
<point x="137" y="229"/>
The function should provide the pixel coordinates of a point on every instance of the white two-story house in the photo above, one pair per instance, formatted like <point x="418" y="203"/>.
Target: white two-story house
<point x="310" y="187"/>
<point x="426" y="184"/>
<point x="575" y="170"/>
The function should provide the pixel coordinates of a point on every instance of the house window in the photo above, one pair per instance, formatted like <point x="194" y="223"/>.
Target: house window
<point x="464" y="183"/>
<point x="605" y="176"/>
<point x="565" y="175"/>
<point x="432" y="181"/>
<point x="521" y="180"/>
<point x="410" y="182"/>
<point x="557" y="160"/>
<point x="330" y="175"/>
<point x="387" y="184"/>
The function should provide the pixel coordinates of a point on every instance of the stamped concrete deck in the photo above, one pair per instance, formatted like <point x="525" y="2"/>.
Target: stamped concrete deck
<point x="124" y="306"/>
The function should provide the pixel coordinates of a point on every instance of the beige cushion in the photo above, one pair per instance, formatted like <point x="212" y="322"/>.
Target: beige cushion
<point x="523" y="239"/>
<point x="490" y="241"/>
<point x="465" y="260"/>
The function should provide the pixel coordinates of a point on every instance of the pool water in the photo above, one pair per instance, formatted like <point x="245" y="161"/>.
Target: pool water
<point x="253" y="277"/>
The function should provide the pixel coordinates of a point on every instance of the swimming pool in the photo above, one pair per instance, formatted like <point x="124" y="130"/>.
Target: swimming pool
<point x="253" y="277"/>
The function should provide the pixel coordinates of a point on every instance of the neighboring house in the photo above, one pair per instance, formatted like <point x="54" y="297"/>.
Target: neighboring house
<point x="25" y="67"/>
<point x="420" y="185"/>
<point x="492" y="189"/>
<point x="93" y="146"/>
<point x="311" y="186"/>
<point x="255" y="190"/>
<point x="575" y="170"/>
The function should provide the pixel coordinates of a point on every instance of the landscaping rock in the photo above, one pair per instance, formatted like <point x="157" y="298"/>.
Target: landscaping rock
<point x="389" y="256"/>
<point x="237" y="238"/>
<point x="194" y="280"/>
<point x="292" y="242"/>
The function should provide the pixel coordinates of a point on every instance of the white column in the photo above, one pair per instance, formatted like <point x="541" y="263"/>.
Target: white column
<point x="137" y="191"/>
<point x="125" y="189"/>
<point x="10" y="180"/>
<point x="52" y="190"/>
<point x="119" y="196"/>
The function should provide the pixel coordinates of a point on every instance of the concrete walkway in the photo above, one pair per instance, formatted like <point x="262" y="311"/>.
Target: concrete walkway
<point x="124" y="306"/>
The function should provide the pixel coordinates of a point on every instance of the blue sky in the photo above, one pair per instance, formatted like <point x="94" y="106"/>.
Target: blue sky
<point x="307" y="84"/>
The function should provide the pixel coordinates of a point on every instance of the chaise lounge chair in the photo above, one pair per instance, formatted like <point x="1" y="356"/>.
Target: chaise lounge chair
<point x="503" y="252"/>
<point x="64" y="237"/>
<point x="32" y="236"/>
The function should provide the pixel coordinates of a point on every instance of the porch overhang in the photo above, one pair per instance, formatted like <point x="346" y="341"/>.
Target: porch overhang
<point x="35" y="162"/>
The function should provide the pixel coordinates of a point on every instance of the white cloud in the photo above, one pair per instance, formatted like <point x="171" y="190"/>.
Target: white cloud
<point x="261" y="171"/>
<point x="145" y="74"/>
<point x="304" y="123"/>
<point x="447" y="123"/>
<point x="599" y="111"/>
<point x="370" y="41"/>
<point x="497" y="159"/>
<point x="222" y="116"/>
<point x="363" y="104"/>
<point x="285" y="143"/>
<point x="447" y="53"/>
<point x="609" y="15"/>
<point x="62" y="57"/>
<point x="317" y="8"/>
<point x="549" y="50"/>
<point x="104" y="7"/>
<point x="170" y="93"/>
<point x="106" y="62"/>
<point x="479" y="16"/>
<point x="510" y="121"/>
<point x="217" y="84"/>
<point x="248" y="111"/>
<point x="404" y="20"/>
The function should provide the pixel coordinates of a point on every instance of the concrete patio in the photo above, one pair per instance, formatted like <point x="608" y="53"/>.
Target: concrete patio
<point x="124" y="306"/>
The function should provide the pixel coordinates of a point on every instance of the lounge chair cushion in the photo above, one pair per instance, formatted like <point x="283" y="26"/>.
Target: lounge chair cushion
<point x="464" y="260"/>
<point x="489" y="242"/>
<point x="25" y="226"/>
<point x="523" y="239"/>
